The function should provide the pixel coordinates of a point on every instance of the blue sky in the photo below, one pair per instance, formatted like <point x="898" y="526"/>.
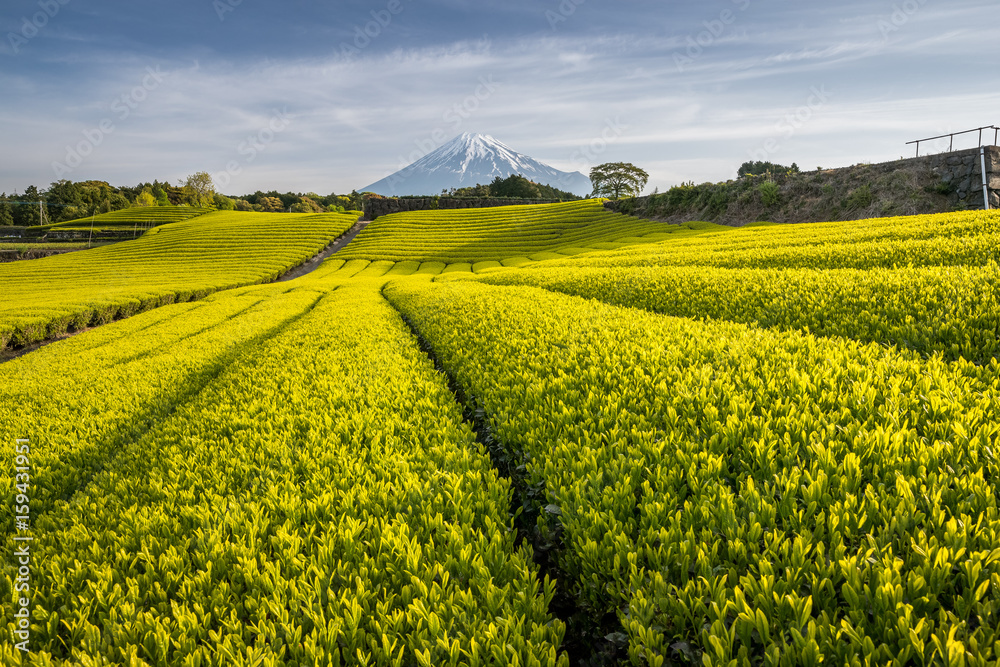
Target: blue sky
<point x="328" y="97"/>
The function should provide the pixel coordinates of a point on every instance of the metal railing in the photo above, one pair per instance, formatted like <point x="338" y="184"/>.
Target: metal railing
<point x="951" y="137"/>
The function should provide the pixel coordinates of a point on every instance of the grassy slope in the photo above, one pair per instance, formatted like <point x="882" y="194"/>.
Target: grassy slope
<point x="854" y="446"/>
<point x="174" y="262"/>
<point x="130" y="217"/>
<point x="508" y="233"/>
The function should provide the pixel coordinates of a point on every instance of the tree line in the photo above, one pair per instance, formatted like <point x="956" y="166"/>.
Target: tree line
<point x="514" y="186"/>
<point x="67" y="200"/>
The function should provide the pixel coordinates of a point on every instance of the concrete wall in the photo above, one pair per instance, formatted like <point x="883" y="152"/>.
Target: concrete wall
<point x="15" y="233"/>
<point x="34" y="235"/>
<point x="375" y="208"/>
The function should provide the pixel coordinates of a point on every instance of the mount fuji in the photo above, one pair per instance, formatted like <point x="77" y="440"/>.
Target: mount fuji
<point x="472" y="159"/>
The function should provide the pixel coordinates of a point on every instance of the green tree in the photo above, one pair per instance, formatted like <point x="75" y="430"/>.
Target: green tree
<point x="223" y="203"/>
<point x="161" y="197"/>
<point x="514" y="186"/>
<point x="618" y="179"/>
<point x="25" y="213"/>
<point x="6" y="217"/>
<point x="270" y="204"/>
<point x="199" y="190"/>
<point x="99" y="196"/>
<point x="145" y="199"/>
<point x="357" y="201"/>
<point x="307" y="205"/>
<point x="477" y="190"/>
<point x="760" y="168"/>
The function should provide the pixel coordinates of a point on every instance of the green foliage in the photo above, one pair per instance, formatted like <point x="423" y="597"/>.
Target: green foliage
<point x="953" y="316"/>
<point x="130" y="217"/>
<point x="762" y="168"/>
<point x="6" y="216"/>
<point x="145" y="199"/>
<point x="199" y="190"/>
<point x="618" y="179"/>
<point x="477" y="190"/>
<point x="770" y="194"/>
<point x="859" y="199"/>
<point x="269" y="205"/>
<point x="162" y="199"/>
<point x="766" y="445"/>
<point x="943" y="188"/>
<point x="223" y="203"/>
<point x="515" y="187"/>
<point x="474" y="235"/>
<point x="707" y="199"/>
<point x="329" y="530"/>
<point x="747" y="489"/>
<point x="173" y="262"/>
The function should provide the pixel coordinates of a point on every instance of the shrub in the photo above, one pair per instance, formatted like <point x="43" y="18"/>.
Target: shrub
<point x="860" y="198"/>
<point x="769" y="193"/>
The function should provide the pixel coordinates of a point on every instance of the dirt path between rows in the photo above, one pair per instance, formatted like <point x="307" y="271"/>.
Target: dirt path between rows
<point x="312" y="264"/>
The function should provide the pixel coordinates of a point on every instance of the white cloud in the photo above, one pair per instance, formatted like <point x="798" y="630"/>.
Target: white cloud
<point x="551" y="96"/>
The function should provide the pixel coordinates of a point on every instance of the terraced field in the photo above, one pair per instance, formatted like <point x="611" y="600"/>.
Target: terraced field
<point x="171" y="263"/>
<point x="507" y="235"/>
<point x="769" y="445"/>
<point x="68" y="245"/>
<point x="129" y="218"/>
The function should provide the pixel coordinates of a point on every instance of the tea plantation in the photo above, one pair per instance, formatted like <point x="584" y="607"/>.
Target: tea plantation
<point x="544" y="435"/>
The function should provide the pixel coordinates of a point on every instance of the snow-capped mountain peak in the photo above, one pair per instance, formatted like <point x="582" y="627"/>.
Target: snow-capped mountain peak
<point x="471" y="159"/>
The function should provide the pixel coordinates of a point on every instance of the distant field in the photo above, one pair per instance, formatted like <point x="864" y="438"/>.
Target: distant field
<point x="590" y="443"/>
<point x="170" y="263"/>
<point x="131" y="218"/>
<point x="512" y="233"/>
<point x="878" y="280"/>
<point x="68" y="245"/>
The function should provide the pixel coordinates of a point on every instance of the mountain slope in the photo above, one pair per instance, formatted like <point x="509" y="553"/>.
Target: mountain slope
<point x="470" y="159"/>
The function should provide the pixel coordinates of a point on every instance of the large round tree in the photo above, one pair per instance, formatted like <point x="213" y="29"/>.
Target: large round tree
<point x="618" y="179"/>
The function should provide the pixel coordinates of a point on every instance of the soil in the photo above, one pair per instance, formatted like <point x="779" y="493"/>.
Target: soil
<point x="7" y="256"/>
<point x="9" y="354"/>
<point x="312" y="264"/>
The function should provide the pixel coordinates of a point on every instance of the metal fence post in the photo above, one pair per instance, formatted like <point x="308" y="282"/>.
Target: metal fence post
<point x="986" y="180"/>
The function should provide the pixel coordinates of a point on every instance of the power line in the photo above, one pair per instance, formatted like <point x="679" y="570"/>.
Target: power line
<point x="34" y="203"/>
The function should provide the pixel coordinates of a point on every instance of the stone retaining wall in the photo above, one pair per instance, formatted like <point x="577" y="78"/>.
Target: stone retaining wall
<point x="375" y="208"/>
<point x="963" y="172"/>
